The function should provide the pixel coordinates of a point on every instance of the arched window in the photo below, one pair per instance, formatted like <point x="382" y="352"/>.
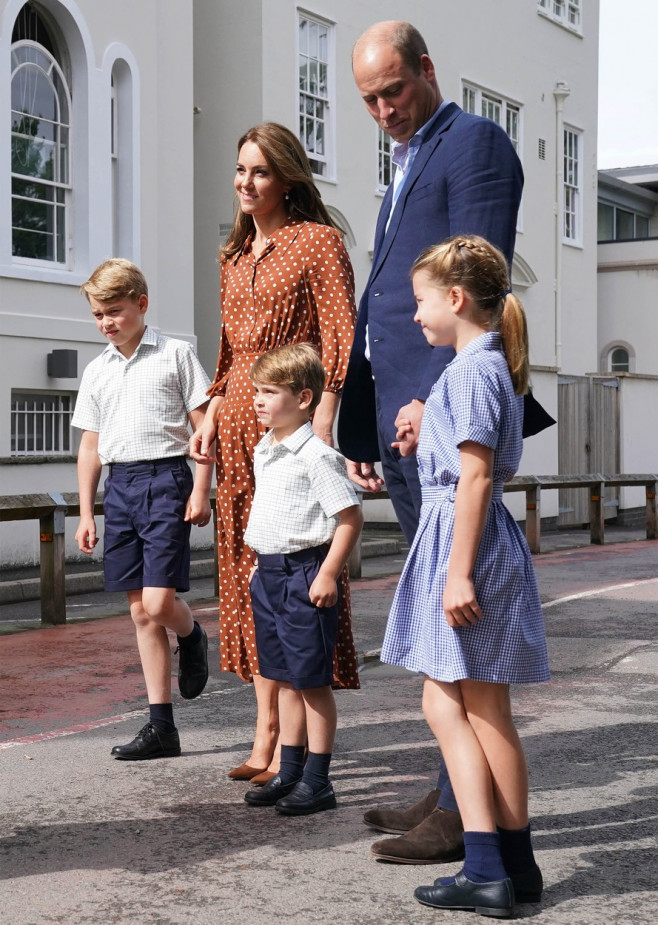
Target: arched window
<point x="40" y="143"/>
<point x="620" y="361"/>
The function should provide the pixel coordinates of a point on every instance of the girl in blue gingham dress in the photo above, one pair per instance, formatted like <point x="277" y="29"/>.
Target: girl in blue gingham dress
<point x="466" y="612"/>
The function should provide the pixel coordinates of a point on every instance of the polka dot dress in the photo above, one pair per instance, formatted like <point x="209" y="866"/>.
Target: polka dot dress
<point x="299" y="289"/>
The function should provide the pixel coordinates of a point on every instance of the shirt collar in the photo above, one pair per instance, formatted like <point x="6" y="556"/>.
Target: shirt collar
<point x="292" y="443"/>
<point x="281" y="238"/>
<point x="489" y="340"/>
<point x="149" y="337"/>
<point x="400" y="149"/>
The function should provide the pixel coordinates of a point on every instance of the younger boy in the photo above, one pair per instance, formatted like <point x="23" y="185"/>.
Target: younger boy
<point x="304" y="521"/>
<point x="134" y="405"/>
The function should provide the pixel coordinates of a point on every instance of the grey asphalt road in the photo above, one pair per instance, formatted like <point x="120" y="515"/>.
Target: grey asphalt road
<point x="85" y="839"/>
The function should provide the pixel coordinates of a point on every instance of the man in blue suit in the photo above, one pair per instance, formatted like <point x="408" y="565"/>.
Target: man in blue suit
<point x="456" y="173"/>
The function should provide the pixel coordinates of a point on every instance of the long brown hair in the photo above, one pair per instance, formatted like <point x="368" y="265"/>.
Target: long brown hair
<point x="287" y="160"/>
<point x="480" y="268"/>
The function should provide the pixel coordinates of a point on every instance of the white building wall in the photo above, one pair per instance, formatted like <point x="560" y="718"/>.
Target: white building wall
<point x="41" y="309"/>
<point x="236" y="66"/>
<point x="628" y="301"/>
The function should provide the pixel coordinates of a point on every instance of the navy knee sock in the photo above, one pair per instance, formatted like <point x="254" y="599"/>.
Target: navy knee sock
<point x="483" y="863"/>
<point x="192" y="638"/>
<point x="316" y="771"/>
<point x="292" y="763"/>
<point x="516" y="850"/>
<point x="447" y="795"/>
<point x="161" y="715"/>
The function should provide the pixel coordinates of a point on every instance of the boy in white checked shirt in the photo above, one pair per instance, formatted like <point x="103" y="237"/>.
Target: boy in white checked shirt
<point x="304" y="521"/>
<point x="134" y="405"/>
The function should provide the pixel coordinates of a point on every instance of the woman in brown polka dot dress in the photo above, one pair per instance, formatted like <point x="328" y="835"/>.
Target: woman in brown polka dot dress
<point x="285" y="278"/>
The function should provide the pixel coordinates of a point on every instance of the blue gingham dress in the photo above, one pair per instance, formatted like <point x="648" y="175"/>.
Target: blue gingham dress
<point x="473" y="400"/>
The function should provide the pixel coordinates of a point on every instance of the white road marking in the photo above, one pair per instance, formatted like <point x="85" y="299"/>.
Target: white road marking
<point x="606" y="590"/>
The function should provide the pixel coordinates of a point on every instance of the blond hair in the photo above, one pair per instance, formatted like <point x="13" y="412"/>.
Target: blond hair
<point x="115" y="279"/>
<point x="481" y="270"/>
<point x="296" y="366"/>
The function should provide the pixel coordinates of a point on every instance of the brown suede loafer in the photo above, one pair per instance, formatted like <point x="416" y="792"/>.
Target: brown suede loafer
<point x="399" y="821"/>
<point x="436" y="840"/>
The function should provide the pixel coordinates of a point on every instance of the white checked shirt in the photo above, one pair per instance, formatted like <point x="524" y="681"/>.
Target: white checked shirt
<point x="139" y="406"/>
<point x="301" y="487"/>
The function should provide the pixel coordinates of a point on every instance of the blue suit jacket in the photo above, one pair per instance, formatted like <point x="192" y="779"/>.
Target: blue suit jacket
<point x="465" y="179"/>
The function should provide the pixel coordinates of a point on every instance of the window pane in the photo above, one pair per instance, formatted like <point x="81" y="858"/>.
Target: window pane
<point x="314" y="80"/>
<point x="303" y="74"/>
<point x="303" y="36"/>
<point x="641" y="226"/>
<point x="606" y="216"/>
<point x="624" y="225"/>
<point x="39" y="152"/>
<point x="468" y="100"/>
<point x="619" y="360"/>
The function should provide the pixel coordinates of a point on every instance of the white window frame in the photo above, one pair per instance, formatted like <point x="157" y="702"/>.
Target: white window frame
<point x="385" y="167"/>
<point x="322" y="103"/>
<point x="504" y="112"/>
<point x="572" y="186"/>
<point x="567" y="13"/>
<point x="47" y="65"/>
<point x="615" y="366"/>
<point x="51" y="426"/>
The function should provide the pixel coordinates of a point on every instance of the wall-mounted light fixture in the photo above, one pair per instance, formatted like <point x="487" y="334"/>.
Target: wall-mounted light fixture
<point x="63" y="364"/>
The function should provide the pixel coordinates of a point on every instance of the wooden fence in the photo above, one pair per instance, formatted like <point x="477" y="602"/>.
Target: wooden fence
<point x="51" y="510"/>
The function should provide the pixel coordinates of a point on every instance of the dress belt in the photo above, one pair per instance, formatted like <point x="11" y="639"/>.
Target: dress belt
<point x="434" y="493"/>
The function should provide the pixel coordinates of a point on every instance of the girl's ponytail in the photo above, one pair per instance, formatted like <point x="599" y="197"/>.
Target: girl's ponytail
<point x="513" y="329"/>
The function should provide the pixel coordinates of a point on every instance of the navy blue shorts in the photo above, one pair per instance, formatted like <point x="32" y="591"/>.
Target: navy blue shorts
<point x="147" y="541"/>
<point x="295" y="639"/>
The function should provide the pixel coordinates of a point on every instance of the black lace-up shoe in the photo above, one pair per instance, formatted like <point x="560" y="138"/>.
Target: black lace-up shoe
<point x="149" y="743"/>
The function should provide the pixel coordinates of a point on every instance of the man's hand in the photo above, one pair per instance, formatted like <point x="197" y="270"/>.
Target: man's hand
<point x="408" y="424"/>
<point x="364" y="475"/>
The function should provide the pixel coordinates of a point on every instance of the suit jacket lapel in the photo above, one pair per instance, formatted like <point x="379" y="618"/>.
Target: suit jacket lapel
<point x="383" y="243"/>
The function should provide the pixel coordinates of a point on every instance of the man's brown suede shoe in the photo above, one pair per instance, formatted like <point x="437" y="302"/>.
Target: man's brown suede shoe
<point x="399" y="821"/>
<point x="437" y="839"/>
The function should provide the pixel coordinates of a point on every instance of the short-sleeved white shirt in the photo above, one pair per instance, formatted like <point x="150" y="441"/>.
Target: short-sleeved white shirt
<point x="139" y="406"/>
<point x="301" y="487"/>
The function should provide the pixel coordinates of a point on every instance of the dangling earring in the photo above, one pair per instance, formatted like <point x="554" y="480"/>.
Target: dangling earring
<point x="286" y="196"/>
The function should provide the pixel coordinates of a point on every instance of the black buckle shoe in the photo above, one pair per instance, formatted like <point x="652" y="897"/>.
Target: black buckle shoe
<point x="495" y="899"/>
<point x="149" y="743"/>
<point x="192" y="666"/>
